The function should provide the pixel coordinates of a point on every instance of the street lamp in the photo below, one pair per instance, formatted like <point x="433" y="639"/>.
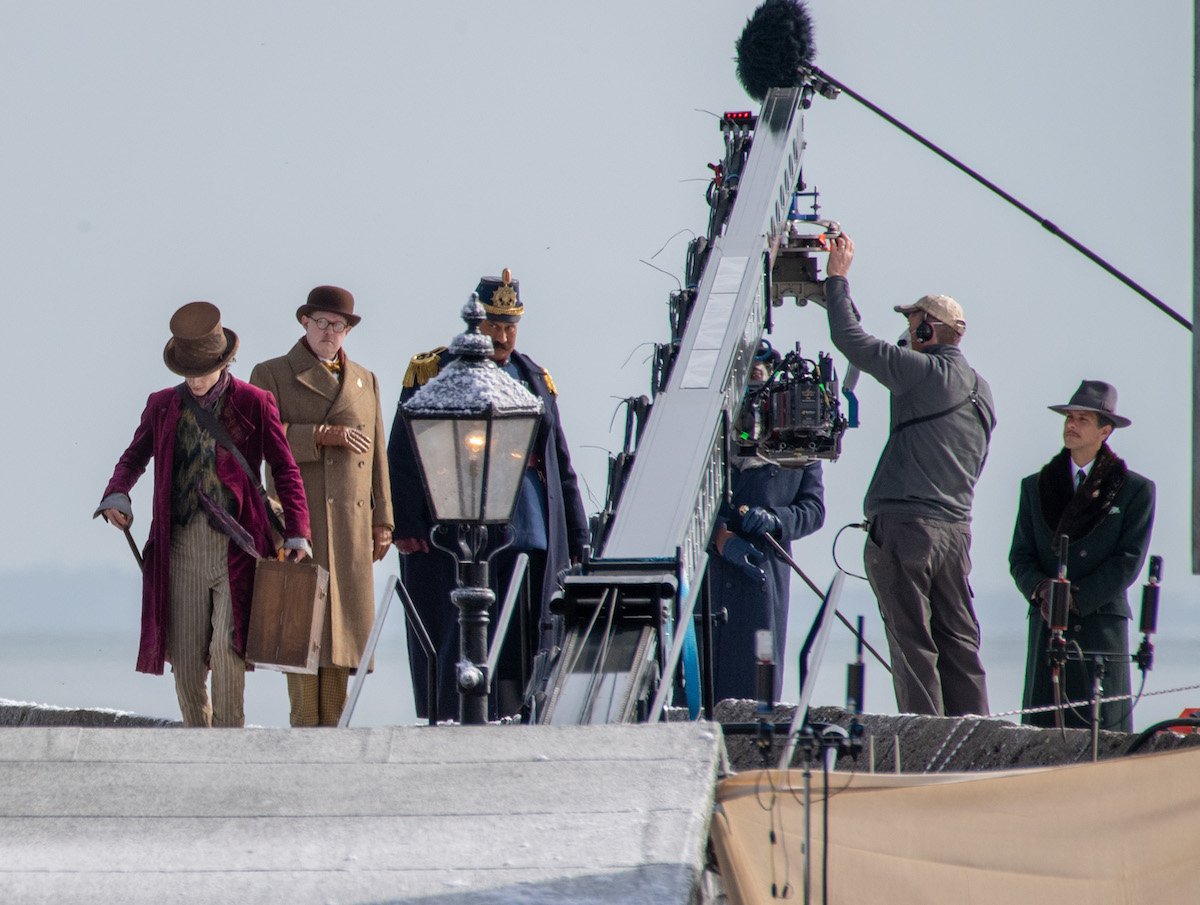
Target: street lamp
<point x="472" y="427"/>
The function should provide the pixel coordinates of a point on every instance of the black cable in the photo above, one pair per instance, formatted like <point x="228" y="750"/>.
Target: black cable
<point x="775" y="839"/>
<point x="833" y="549"/>
<point x="1087" y="720"/>
<point x="1045" y="224"/>
<point x="1150" y="731"/>
<point x="1110" y="724"/>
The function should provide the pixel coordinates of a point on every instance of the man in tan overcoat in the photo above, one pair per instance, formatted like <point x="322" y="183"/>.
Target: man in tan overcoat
<point x="330" y="408"/>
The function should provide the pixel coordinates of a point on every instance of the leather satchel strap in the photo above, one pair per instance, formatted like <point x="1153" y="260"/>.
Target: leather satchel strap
<point x="216" y="429"/>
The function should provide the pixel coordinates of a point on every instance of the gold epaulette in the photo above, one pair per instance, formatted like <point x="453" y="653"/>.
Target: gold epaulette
<point x="549" y="382"/>
<point x="423" y="367"/>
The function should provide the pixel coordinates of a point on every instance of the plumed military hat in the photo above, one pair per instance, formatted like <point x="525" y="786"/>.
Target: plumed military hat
<point x="332" y="299"/>
<point x="501" y="297"/>
<point x="199" y="345"/>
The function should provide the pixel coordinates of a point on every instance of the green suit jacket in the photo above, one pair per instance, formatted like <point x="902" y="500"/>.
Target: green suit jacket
<point x="1109" y="522"/>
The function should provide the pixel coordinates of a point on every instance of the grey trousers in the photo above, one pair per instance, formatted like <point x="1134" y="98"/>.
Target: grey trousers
<point x="200" y="633"/>
<point x="918" y="570"/>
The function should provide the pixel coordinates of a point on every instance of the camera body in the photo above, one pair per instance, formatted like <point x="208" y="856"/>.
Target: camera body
<point x="793" y="416"/>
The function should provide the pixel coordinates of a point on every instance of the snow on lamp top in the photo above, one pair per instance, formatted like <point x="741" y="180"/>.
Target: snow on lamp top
<point x="472" y="384"/>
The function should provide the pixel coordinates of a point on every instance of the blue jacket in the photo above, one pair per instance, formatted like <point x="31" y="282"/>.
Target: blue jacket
<point x="796" y="496"/>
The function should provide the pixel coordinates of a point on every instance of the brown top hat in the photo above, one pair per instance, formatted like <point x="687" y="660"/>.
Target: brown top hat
<point x="1094" y="396"/>
<point x="199" y="344"/>
<point x="333" y="299"/>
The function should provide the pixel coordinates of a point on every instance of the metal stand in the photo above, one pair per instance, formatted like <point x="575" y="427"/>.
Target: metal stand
<point x="1097" y="694"/>
<point x="822" y="742"/>
<point x="473" y="600"/>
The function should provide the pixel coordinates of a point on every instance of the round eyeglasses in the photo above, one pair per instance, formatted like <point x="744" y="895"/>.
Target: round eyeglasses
<point x="324" y="323"/>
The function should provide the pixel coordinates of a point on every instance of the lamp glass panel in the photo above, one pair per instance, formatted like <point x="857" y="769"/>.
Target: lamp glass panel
<point x="451" y="453"/>
<point x="511" y="439"/>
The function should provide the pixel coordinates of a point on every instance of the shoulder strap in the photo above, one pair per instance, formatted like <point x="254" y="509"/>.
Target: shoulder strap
<point x="972" y="399"/>
<point x="216" y="429"/>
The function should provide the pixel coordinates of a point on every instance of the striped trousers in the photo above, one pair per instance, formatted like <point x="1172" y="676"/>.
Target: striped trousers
<point x="200" y="632"/>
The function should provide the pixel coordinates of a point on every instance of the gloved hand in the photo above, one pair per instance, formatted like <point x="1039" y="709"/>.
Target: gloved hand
<point x="411" y="544"/>
<point x="745" y="556"/>
<point x="342" y="435"/>
<point x="759" y="521"/>
<point x="381" y="535"/>
<point x="1041" y="599"/>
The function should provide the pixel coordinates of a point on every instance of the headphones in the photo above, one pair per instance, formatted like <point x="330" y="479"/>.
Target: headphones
<point x="924" y="331"/>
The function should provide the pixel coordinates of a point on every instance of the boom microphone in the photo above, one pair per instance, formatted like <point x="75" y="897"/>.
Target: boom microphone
<point x="775" y="45"/>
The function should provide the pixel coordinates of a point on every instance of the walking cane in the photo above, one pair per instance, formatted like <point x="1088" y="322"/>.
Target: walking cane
<point x="133" y="546"/>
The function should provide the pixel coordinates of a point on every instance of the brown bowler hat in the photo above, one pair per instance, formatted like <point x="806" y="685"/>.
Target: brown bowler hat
<point x="199" y="344"/>
<point x="333" y="299"/>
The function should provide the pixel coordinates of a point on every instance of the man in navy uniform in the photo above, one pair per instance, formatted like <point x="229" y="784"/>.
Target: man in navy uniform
<point x="747" y="578"/>
<point x="1107" y="511"/>
<point x="549" y="523"/>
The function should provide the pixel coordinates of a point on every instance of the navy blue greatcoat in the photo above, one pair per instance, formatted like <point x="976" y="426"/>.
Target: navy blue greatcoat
<point x="796" y="496"/>
<point x="1108" y="523"/>
<point x="430" y="577"/>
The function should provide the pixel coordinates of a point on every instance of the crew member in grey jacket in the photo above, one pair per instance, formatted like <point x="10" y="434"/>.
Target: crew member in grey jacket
<point x="918" y="505"/>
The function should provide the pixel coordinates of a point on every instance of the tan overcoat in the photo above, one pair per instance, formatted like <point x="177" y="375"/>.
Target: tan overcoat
<point x="348" y="492"/>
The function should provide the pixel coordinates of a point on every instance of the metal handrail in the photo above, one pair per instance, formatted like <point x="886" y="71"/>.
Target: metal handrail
<point x="393" y="585"/>
<point x="515" y="583"/>
<point x="814" y="647"/>
<point x="667" y="683"/>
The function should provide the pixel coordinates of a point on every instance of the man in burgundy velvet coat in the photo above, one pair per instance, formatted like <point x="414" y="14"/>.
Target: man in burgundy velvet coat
<point x="196" y="583"/>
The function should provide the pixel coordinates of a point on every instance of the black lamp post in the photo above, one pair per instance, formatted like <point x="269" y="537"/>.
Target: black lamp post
<point x="472" y="427"/>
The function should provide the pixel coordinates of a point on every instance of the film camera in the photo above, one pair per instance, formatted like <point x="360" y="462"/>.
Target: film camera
<point x="791" y="413"/>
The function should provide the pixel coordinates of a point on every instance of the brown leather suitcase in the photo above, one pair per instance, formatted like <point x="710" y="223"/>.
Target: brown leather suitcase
<point x="287" y="616"/>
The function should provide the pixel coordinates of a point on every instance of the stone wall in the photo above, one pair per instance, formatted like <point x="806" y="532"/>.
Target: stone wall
<point x="940" y="744"/>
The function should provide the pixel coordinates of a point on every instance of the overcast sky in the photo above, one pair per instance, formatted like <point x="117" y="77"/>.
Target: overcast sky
<point x="156" y="153"/>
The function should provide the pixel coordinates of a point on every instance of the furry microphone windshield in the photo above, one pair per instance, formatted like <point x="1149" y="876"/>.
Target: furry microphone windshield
<point x="775" y="44"/>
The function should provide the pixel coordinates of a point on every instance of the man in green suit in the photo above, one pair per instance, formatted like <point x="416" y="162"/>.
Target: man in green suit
<point x="1106" y="511"/>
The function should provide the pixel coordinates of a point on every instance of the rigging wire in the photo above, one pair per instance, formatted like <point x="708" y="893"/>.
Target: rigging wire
<point x="1023" y="208"/>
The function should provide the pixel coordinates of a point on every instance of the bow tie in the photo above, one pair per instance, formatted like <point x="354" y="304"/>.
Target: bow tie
<point x="334" y="367"/>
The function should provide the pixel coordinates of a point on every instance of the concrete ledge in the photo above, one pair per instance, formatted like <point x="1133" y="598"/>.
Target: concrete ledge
<point x="490" y="814"/>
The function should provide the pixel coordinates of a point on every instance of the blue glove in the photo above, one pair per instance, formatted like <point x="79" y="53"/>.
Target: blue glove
<point x="745" y="556"/>
<point x="759" y="521"/>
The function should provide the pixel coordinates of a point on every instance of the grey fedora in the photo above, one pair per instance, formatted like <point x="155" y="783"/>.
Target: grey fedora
<point x="1094" y="396"/>
<point x="199" y="345"/>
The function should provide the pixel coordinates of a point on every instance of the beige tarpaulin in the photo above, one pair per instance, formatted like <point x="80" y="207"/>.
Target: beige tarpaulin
<point x="1119" y="831"/>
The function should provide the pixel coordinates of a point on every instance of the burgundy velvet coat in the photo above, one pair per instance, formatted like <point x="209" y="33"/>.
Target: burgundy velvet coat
<point x="252" y="419"/>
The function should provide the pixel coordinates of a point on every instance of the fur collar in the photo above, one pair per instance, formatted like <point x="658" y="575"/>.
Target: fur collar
<point x="1077" y="514"/>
